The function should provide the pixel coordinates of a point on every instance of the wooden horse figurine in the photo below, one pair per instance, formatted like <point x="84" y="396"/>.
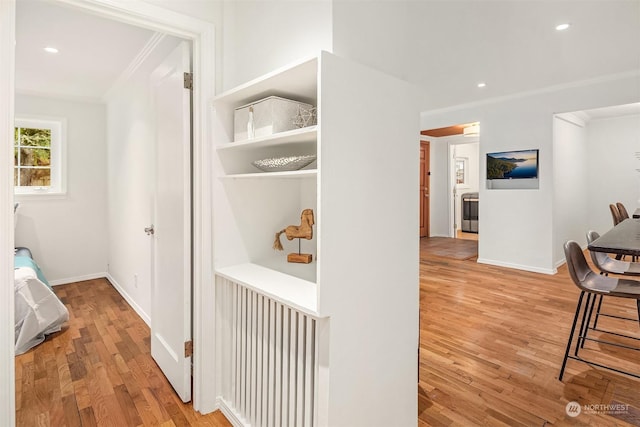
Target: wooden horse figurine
<point x="302" y="231"/>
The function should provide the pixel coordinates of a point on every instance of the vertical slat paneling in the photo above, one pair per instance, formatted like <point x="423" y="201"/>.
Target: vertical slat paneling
<point x="238" y="344"/>
<point x="300" y="368"/>
<point x="286" y="328"/>
<point x="224" y="333"/>
<point x="271" y="367"/>
<point x="278" y="373"/>
<point x="245" y="351"/>
<point x="270" y="390"/>
<point x="266" y="347"/>
<point x="252" y="358"/>
<point x="309" y="369"/>
<point x="259" y="357"/>
<point x="293" y="348"/>
<point x="234" y="339"/>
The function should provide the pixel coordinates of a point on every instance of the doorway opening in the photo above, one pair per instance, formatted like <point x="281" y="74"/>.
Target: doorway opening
<point x="128" y="149"/>
<point x="464" y="184"/>
<point x="455" y="181"/>
<point x="200" y="34"/>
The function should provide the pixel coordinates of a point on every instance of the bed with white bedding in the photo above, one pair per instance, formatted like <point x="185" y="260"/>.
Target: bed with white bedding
<point x="38" y="311"/>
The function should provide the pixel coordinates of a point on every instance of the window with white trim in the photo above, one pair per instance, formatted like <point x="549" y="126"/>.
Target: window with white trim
<point x="38" y="161"/>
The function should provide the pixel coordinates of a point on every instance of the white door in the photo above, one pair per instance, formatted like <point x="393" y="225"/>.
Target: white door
<point x="171" y="287"/>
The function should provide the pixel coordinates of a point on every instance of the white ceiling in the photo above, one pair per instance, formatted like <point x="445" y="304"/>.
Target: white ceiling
<point x="613" y="111"/>
<point x="452" y="45"/>
<point x="93" y="51"/>
<point x="513" y="46"/>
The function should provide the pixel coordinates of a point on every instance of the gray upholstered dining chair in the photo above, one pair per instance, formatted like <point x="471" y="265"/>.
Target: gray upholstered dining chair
<point x="592" y="285"/>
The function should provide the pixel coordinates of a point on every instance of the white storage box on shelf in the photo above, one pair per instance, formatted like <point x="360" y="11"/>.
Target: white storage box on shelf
<point x="270" y="115"/>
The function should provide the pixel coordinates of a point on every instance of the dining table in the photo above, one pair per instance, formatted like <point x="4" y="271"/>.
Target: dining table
<point x="623" y="239"/>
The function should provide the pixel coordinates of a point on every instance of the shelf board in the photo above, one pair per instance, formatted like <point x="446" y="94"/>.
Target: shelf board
<point x="303" y="135"/>
<point x="289" y="290"/>
<point x="307" y="173"/>
<point x="297" y="81"/>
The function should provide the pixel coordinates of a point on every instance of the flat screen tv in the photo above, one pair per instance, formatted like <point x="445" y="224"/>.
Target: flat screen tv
<point x="522" y="164"/>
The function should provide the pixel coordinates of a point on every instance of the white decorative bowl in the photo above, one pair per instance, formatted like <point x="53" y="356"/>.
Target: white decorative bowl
<point x="281" y="164"/>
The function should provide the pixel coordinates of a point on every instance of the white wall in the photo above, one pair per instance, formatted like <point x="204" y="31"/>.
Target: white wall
<point x="68" y="234"/>
<point x="131" y="174"/>
<point x="377" y="34"/>
<point x="261" y="36"/>
<point x="206" y="10"/>
<point x="612" y="144"/>
<point x="517" y="224"/>
<point x="570" y="190"/>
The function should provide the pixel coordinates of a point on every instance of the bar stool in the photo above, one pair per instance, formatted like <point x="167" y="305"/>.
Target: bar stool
<point x="624" y="215"/>
<point x="607" y="265"/>
<point x="623" y="211"/>
<point x="592" y="285"/>
<point x="615" y="214"/>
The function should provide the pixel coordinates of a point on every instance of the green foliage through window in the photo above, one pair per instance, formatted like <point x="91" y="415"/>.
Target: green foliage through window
<point x="32" y="157"/>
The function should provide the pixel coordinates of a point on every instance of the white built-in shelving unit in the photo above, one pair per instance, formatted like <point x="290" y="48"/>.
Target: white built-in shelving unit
<point x="333" y="342"/>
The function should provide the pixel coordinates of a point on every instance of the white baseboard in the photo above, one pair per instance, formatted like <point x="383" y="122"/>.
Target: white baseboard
<point x="549" y="271"/>
<point x="129" y="300"/>
<point x="68" y="280"/>
<point x="230" y="414"/>
<point x="113" y="282"/>
<point x="440" y="235"/>
<point x="560" y="263"/>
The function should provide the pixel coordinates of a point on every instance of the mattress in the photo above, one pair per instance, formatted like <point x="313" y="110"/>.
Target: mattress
<point x="38" y="311"/>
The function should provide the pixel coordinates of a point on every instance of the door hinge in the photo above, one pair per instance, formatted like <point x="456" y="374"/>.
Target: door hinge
<point x="188" y="81"/>
<point x="188" y="349"/>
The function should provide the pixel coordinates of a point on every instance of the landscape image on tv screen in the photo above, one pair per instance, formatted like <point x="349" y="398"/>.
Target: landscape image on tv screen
<point x="512" y="164"/>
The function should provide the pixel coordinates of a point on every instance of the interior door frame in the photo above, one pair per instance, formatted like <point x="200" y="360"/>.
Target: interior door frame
<point x="426" y="210"/>
<point x="202" y="36"/>
<point x="451" y="179"/>
<point x="7" y="331"/>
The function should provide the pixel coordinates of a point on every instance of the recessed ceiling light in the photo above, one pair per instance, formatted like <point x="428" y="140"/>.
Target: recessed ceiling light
<point x="51" y="49"/>
<point x="482" y="84"/>
<point x="562" y="27"/>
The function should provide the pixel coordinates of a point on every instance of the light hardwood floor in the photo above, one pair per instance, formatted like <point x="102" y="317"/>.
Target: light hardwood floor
<point x="98" y="370"/>
<point x="492" y="341"/>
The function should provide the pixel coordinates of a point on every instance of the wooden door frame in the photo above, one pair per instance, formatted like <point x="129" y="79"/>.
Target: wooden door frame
<point x="202" y="36"/>
<point x="427" y="173"/>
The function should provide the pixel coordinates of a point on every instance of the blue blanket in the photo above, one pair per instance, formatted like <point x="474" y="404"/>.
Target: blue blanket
<point x="23" y="261"/>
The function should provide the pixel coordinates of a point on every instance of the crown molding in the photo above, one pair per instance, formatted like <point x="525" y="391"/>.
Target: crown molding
<point x="578" y="118"/>
<point x="529" y="93"/>
<point x="137" y="62"/>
